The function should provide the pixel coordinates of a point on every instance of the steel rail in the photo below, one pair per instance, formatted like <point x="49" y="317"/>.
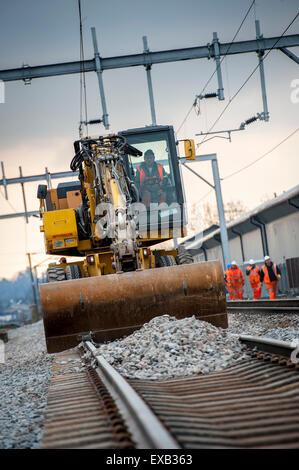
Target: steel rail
<point x="265" y="305"/>
<point x="249" y="308"/>
<point x="147" y="429"/>
<point x="273" y="346"/>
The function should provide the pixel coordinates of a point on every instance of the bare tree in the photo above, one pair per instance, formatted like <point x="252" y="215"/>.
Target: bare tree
<point x="266" y="197"/>
<point x="232" y="210"/>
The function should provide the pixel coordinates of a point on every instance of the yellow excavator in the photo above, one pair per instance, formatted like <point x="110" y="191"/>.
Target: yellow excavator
<point x="129" y="198"/>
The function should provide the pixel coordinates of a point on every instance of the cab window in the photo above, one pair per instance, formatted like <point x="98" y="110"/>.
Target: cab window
<point x="153" y="172"/>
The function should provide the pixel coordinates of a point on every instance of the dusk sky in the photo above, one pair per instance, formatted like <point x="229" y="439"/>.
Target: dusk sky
<point x="39" y="122"/>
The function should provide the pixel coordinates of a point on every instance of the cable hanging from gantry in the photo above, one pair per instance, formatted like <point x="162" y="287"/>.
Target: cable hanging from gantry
<point x="259" y="116"/>
<point x="249" y="77"/>
<point x="196" y="103"/>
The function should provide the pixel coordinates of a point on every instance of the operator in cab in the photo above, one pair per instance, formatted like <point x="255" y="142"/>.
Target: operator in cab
<point x="151" y="180"/>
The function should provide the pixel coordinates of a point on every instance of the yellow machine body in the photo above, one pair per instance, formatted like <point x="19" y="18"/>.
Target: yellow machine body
<point x="120" y="282"/>
<point x="60" y="229"/>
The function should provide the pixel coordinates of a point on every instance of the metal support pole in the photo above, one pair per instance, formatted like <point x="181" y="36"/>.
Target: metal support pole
<point x="223" y="231"/>
<point x="291" y="203"/>
<point x="100" y="78"/>
<point x="48" y="177"/>
<point x="4" y="181"/>
<point x="32" y="280"/>
<point x="148" y="67"/>
<point x="195" y="173"/>
<point x="290" y="54"/>
<point x="264" y="233"/>
<point x="222" y="223"/>
<point x="24" y="197"/>
<point x="218" y="66"/>
<point x="257" y="223"/>
<point x="38" y="305"/>
<point x="260" y="54"/>
<point x="241" y="242"/>
<point x="204" y="253"/>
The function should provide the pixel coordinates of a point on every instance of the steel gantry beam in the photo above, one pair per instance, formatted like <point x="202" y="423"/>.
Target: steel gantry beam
<point x="144" y="59"/>
<point x="28" y="179"/>
<point x="47" y="176"/>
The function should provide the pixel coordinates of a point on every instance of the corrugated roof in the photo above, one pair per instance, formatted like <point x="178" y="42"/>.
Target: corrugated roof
<point x="280" y="206"/>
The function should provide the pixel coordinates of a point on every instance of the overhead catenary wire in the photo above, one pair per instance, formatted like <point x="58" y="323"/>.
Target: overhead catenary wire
<point x="205" y="195"/>
<point x="228" y="49"/>
<point x="262" y="156"/>
<point x="25" y="236"/>
<point x="248" y="78"/>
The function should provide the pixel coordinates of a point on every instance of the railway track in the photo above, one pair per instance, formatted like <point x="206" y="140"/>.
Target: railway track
<point x="264" y="306"/>
<point x="254" y="403"/>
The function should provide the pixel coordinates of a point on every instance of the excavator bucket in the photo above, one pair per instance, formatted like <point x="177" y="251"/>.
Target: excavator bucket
<point x="113" y="306"/>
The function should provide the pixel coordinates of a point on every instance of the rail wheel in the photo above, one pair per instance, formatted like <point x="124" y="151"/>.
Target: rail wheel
<point x="73" y="271"/>
<point x="4" y="337"/>
<point x="184" y="257"/>
<point x="55" y="273"/>
<point x="167" y="261"/>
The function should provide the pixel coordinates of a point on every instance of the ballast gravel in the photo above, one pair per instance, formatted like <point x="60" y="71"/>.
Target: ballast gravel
<point x="24" y="382"/>
<point x="283" y="327"/>
<point x="164" y="347"/>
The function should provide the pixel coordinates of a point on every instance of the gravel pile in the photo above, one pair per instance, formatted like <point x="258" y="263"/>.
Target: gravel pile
<point x="24" y="381"/>
<point x="166" y="347"/>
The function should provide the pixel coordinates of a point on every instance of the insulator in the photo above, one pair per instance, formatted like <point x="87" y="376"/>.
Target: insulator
<point x="95" y="121"/>
<point x="249" y="121"/>
<point x="210" y="95"/>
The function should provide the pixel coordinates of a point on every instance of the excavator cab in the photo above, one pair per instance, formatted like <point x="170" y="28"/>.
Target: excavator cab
<point x="157" y="176"/>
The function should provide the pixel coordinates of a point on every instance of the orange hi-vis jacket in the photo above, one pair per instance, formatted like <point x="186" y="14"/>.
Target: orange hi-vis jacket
<point x="234" y="277"/>
<point x="144" y="177"/>
<point x="266" y="275"/>
<point x="254" y="276"/>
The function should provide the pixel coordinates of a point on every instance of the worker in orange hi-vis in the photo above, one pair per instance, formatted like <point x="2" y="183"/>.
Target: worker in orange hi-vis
<point x="253" y="271"/>
<point x="226" y="277"/>
<point x="234" y="279"/>
<point x="271" y="274"/>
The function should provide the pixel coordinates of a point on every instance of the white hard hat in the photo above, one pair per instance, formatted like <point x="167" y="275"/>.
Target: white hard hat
<point x="267" y="257"/>
<point x="251" y="261"/>
<point x="234" y="262"/>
